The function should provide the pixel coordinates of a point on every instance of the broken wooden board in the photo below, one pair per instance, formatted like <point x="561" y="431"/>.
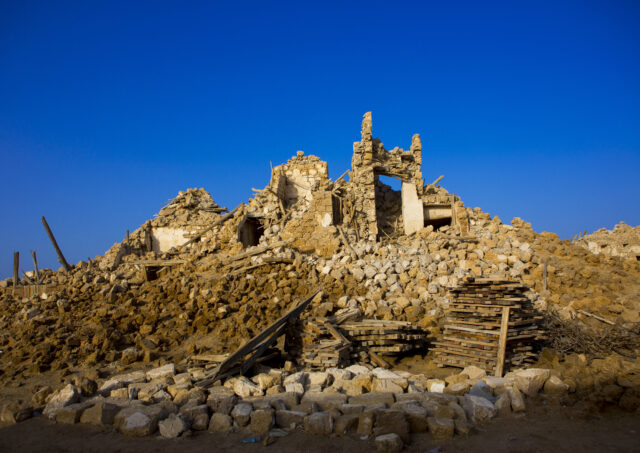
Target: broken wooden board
<point x="257" y="344"/>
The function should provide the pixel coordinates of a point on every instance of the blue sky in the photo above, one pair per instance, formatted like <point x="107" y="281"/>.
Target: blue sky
<point x="108" y="109"/>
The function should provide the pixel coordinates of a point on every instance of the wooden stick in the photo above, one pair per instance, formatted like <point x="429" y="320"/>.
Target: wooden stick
<point x="257" y="251"/>
<point x="35" y="265"/>
<point x="599" y="318"/>
<point x="544" y="277"/>
<point x="375" y="358"/>
<point x="148" y="239"/>
<point x="258" y="340"/>
<point x="27" y="277"/>
<point x="16" y="264"/>
<point x="61" y="258"/>
<point x="502" y="343"/>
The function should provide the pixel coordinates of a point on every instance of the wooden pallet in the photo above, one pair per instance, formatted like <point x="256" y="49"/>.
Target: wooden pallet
<point x="490" y="324"/>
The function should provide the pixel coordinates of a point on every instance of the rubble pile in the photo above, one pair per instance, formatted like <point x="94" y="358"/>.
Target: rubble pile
<point x="623" y="241"/>
<point x="122" y="331"/>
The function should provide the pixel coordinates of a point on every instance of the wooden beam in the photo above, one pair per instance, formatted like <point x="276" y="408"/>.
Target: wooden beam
<point x="502" y="342"/>
<point x="256" y="251"/>
<point x="16" y="264"/>
<point x="258" y="340"/>
<point x="61" y="258"/>
<point x="148" y="238"/>
<point x="35" y="265"/>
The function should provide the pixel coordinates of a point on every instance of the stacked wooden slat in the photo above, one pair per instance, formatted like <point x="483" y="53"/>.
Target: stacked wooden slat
<point x="475" y="333"/>
<point x="315" y="343"/>
<point x="382" y="337"/>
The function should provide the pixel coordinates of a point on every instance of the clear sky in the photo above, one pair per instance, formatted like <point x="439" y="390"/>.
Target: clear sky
<point x="108" y="109"/>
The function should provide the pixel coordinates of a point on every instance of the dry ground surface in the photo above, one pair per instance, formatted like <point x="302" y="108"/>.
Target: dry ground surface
<point x="545" y="428"/>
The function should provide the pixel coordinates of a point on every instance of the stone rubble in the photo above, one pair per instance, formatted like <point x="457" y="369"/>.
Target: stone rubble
<point x="120" y="331"/>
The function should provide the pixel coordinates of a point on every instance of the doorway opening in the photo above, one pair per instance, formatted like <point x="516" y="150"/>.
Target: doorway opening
<point x="388" y="205"/>
<point x="250" y="230"/>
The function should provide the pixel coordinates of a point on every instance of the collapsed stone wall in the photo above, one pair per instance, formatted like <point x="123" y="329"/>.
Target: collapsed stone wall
<point x="623" y="241"/>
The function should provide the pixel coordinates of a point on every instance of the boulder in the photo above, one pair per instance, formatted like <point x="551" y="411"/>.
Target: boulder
<point x="392" y="421"/>
<point x="479" y="409"/>
<point x="318" y="378"/>
<point x="266" y="381"/>
<point x="319" y="423"/>
<point x="241" y="413"/>
<point x="160" y="372"/>
<point x="441" y="428"/>
<point x="64" y="397"/>
<point x="416" y="417"/>
<point x="516" y="398"/>
<point x="385" y="386"/>
<point x="325" y="401"/>
<point x="243" y="387"/>
<point x="102" y="413"/>
<point x="503" y="404"/>
<point x="221" y="400"/>
<point x="366" y="420"/>
<point x="15" y="413"/>
<point x="475" y="373"/>
<point x="531" y="380"/>
<point x="462" y="427"/>
<point x="220" y="423"/>
<point x="369" y="399"/>
<point x="138" y="424"/>
<point x="139" y="420"/>
<point x="261" y="421"/>
<point x="193" y="414"/>
<point x="121" y="380"/>
<point x="346" y="423"/>
<point x="555" y="387"/>
<point x="288" y="419"/>
<point x="389" y="443"/>
<point x="71" y="414"/>
<point x="172" y="426"/>
<point x="436" y="385"/>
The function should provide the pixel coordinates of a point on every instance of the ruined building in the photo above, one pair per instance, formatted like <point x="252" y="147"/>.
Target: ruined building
<point x="315" y="214"/>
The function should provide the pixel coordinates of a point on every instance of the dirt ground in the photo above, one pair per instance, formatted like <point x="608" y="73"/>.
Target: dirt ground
<point x="545" y="428"/>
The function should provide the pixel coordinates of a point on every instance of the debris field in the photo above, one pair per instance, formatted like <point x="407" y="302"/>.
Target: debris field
<point x="339" y="307"/>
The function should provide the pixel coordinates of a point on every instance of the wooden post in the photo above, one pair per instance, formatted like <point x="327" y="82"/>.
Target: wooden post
<point x="544" y="277"/>
<point x="35" y="266"/>
<point x="502" y="342"/>
<point x="55" y="246"/>
<point x="16" y="264"/>
<point x="148" y="240"/>
<point x="128" y="243"/>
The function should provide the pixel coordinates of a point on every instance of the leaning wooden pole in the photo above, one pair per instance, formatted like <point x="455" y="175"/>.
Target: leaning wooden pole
<point x="55" y="246"/>
<point x="35" y="265"/>
<point x="16" y="264"/>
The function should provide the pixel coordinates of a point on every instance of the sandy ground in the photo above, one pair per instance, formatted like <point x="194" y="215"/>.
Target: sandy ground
<point x="544" y="429"/>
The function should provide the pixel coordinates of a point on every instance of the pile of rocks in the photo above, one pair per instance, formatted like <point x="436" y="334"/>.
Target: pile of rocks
<point x="623" y="241"/>
<point x="357" y="399"/>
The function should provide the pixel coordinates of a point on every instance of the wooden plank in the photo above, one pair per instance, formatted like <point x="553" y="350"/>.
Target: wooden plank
<point x="333" y="331"/>
<point x="52" y="238"/>
<point x="35" y="266"/>
<point x="16" y="265"/>
<point x="502" y="344"/>
<point x="258" y="340"/>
